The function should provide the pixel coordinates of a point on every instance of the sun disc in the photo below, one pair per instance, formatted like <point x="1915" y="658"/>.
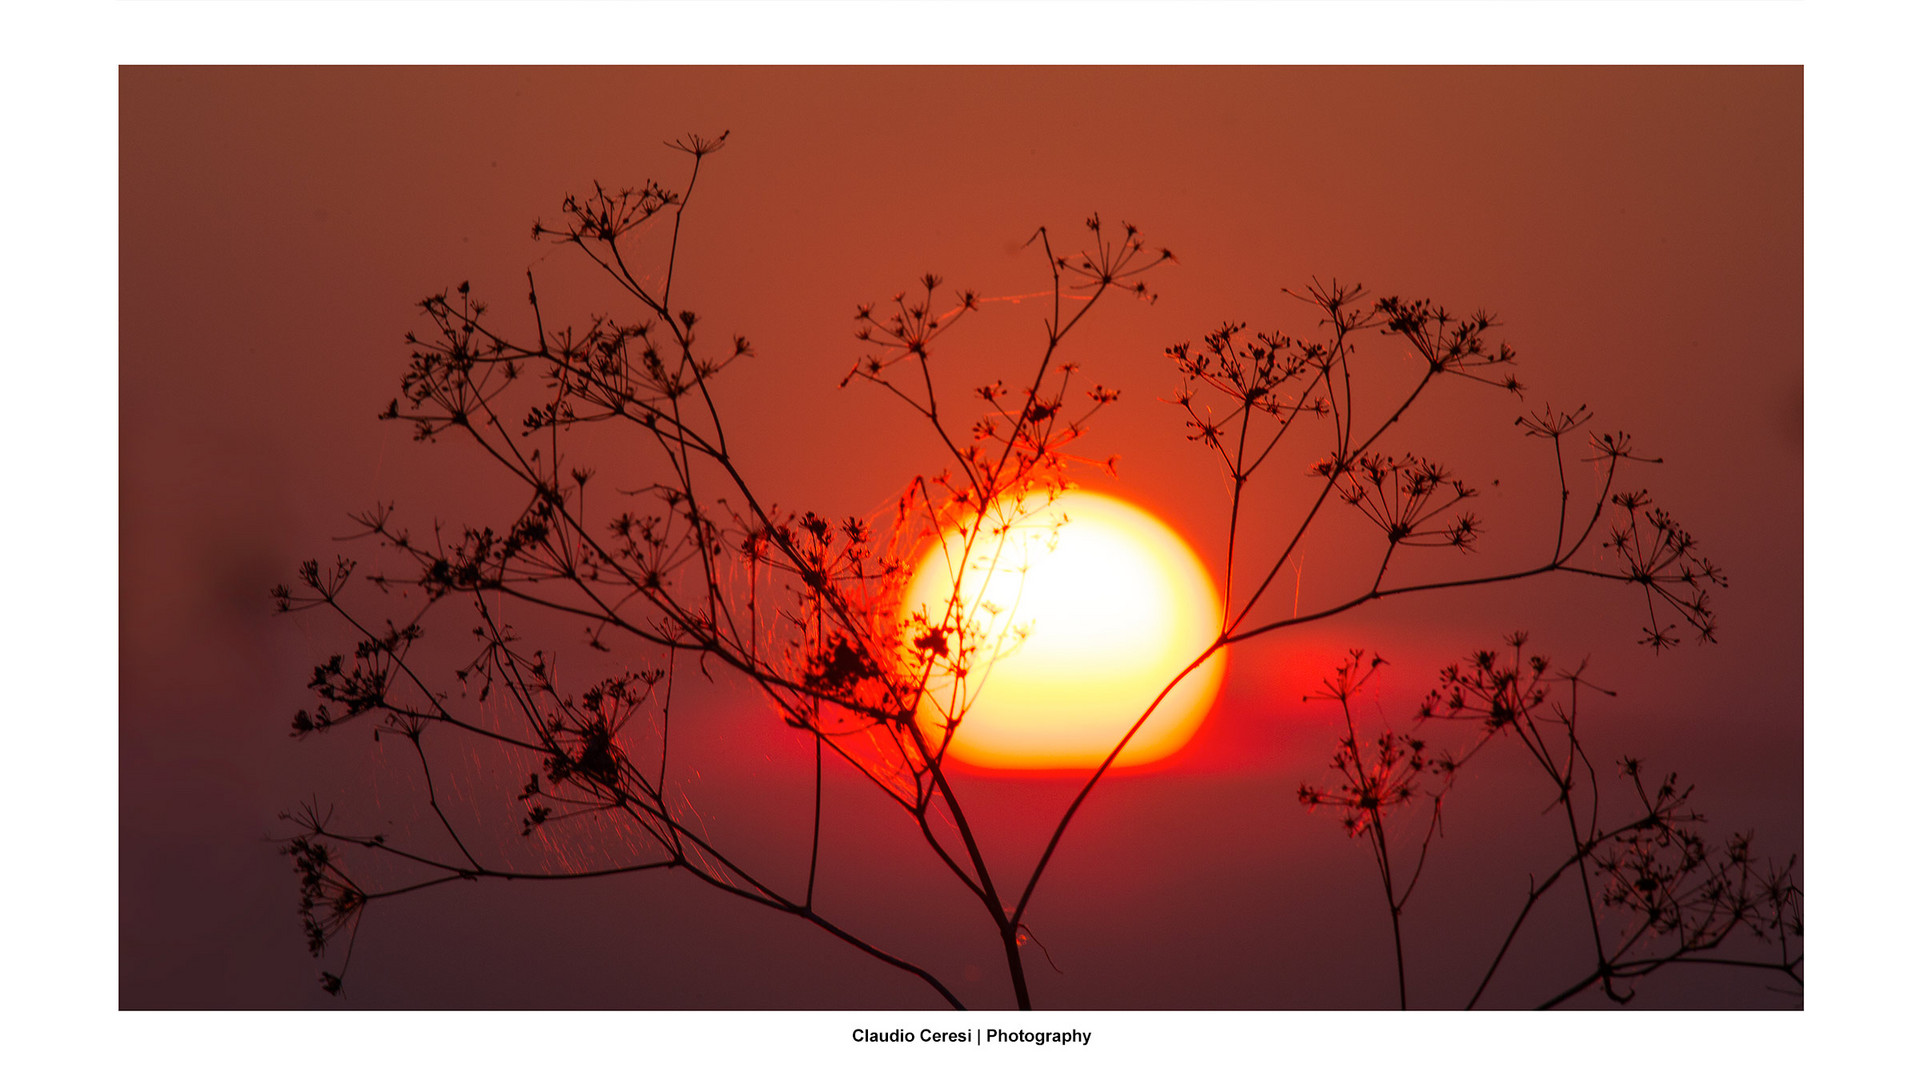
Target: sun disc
<point x="1080" y="612"/>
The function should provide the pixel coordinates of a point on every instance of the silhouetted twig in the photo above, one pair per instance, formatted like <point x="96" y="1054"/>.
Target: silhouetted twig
<point x="1681" y="896"/>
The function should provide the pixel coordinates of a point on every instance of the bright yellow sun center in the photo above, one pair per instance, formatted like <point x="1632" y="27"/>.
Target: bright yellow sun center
<point x="1080" y="612"/>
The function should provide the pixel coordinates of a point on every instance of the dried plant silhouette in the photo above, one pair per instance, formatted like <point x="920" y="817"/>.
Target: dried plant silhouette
<point x="698" y="570"/>
<point x="1679" y="896"/>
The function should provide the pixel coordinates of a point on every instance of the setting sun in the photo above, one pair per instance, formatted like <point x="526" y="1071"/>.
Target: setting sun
<point x="1084" y="610"/>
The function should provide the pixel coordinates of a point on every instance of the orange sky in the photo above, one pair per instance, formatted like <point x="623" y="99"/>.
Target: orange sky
<point x="1638" y="230"/>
